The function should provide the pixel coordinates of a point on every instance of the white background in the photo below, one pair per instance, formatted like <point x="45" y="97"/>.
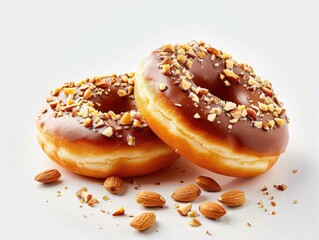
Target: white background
<point x="45" y="43"/>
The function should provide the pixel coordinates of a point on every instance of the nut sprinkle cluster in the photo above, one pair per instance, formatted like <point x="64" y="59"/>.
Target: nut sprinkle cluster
<point x="83" y="101"/>
<point x="176" y="63"/>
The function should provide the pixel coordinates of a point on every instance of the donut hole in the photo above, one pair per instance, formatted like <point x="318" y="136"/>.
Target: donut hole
<point x="112" y="102"/>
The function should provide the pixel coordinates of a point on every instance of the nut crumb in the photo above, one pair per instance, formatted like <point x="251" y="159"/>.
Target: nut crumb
<point x="194" y="222"/>
<point x="249" y="224"/>
<point x="281" y="187"/>
<point x="295" y="171"/>
<point x="295" y="201"/>
<point x="208" y="232"/>
<point x="105" y="198"/>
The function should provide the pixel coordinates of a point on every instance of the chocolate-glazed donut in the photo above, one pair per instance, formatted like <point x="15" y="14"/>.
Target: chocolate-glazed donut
<point x="94" y="129"/>
<point x="213" y="110"/>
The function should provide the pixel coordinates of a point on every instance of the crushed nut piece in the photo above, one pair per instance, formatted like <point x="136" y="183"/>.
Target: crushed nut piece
<point x="108" y="132"/>
<point x="121" y="93"/>
<point x="194" y="222"/>
<point x="196" y="116"/>
<point x="126" y="119"/>
<point x="119" y="212"/>
<point x="162" y="86"/>
<point x="229" y="106"/>
<point x="211" y="117"/>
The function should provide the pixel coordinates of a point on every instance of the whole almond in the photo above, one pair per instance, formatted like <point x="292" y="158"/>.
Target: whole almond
<point x="48" y="176"/>
<point x="150" y="199"/>
<point x="232" y="198"/>
<point x="211" y="210"/>
<point x="186" y="193"/>
<point x="143" y="221"/>
<point x="113" y="184"/>
<point x="208" y="184"/>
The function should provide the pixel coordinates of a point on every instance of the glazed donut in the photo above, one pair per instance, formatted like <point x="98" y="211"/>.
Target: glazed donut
<point x="214" y="111"/>
<point x="93" y="128"/>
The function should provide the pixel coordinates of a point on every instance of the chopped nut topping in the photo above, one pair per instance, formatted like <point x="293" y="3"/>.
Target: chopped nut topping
<point x="88" y="122"/>
<point x="181" y="58"/>
<point x="263" y="107"/>
<point x="216" y="110"/>
<point x="162" y="86"/>
<point x="229" y="106"/>
<point x="68" y="91"/>
<point x="178" y="104"/>
<point x="88" y="93"/>
<point x="280" y="121"/>
<point x="258" y="124"/>
<point x="121" y="93"/>
<point x="196" y="116"/>
<point x="251" y="112"/>
<point x="130" y="141"/>
<point x="211" y="117"/>
<point x="137" y="123"/>
<point x="126" y="119"/>
<point x="189" y="63"/>
<point x="230" y="126"/>
<point x="185" y="85"/>
<point x="194" y="97"/>
<point x="229" y="64"/>
<point x="235" y="113"/>
<point x="166" y="69"/>
<point x="231" y="75"/>
<point x="168" y="48"/>
<point x="108" y="132"/>
<point x="201" y="54"/>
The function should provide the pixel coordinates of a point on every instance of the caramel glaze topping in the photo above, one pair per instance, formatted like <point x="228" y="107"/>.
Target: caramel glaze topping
<point x="219" y="97"/>
<point x="101" y="110"/>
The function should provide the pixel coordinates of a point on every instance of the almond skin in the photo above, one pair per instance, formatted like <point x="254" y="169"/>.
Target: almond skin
<point x="186" y="193"/>
<point x="208" y="184"/>
<point x="143" y="221"/>
<point x="48" y="176"/>
<point x="150" y="199"/>
<point x="233" y="198"/>
<point x="212" y="210"/>
<point x="113" y="184"/>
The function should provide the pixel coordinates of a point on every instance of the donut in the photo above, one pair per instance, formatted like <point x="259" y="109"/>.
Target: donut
<point x="215" y="111"/>
<point x="93" y="128"/>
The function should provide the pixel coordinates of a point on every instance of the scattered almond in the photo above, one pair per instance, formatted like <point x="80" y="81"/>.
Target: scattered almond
<point x="232" y="198"/>
<point x="150" y="199"/>
<point x="48" y="176"/>
<point x="113" y="184"/>
<point x="184" y="209"/>
<point x="211" y="210"/>
<point x="208" y="184"/>
<point x="143" y="221"/>
<point x="186" y="193"/>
